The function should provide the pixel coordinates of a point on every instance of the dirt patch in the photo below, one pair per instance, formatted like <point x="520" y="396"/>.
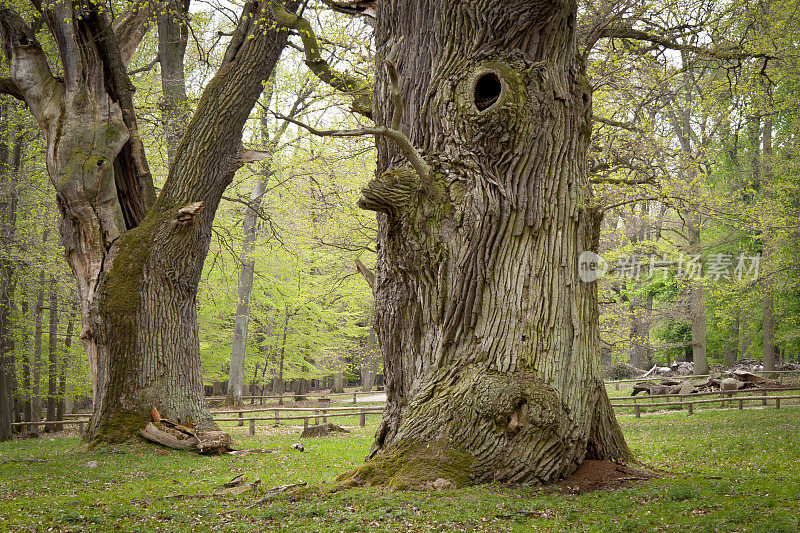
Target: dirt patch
<point x="600" y="475"/>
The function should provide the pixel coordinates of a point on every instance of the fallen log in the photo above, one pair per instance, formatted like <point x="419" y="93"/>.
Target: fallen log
<point x="159" y="436"/>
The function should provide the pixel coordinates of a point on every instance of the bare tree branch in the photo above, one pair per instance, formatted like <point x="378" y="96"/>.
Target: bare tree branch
<point x="409" y="151"/>
<point x="731" y="53"/>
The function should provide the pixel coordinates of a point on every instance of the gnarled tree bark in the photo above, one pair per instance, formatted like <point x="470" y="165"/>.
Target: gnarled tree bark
<point x="490" y="339"/>
<point x="137" y="258"/>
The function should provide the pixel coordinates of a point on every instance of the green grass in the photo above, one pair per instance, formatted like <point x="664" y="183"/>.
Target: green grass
<point x="733" y="471"/>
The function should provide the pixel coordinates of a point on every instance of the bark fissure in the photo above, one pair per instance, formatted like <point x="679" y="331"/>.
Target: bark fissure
<point x="490" y="340"/>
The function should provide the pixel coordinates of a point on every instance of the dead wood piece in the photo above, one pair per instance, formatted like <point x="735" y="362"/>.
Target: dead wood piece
<point x="238" y="489"/>
<point x="237" y="480"/>
<point x="252" y="450"/>
<point x="217" y="442"/>
<point x="153" y="434"/>
<point x="276" y="491"/>
<point x="179" y="427"/>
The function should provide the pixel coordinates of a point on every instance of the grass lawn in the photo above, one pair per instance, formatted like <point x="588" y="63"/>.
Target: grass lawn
<point x="733" y="471"/>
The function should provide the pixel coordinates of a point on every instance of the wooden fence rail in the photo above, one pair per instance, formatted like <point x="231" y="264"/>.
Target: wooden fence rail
<point x="309" y="396"/>
<point x="319" y="414"/>
<point x="637" y="408"/>
<point x="727" y="393"/>
<point x="80" y="423"/>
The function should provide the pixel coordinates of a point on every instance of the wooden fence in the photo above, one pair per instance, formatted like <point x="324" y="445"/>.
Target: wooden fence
<point x="318" y="414"/>
<point x="689" y="400"/>
<point x="293" y="396"/>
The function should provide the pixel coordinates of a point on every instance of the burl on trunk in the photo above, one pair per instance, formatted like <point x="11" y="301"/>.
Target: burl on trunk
<point x="490" y="339"/>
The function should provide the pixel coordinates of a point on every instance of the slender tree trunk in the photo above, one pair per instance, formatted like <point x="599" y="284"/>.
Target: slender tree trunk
<point x="490" y="339"/>
<point x="731" y="345"/>
<point x="238" y="345"/>
<point x="173" y="35"/>
<point x="249" y="229"/>
<point x="27" y="407"/>
<point x="10" y="161"/>
<point x="36" y="390"/>
<point x="281" y="383"/>
<point x="370" y="362"/>
<point x="338" y="383"/>
<point x="52" y="357"/>
<point x="768" y="286"/>
<point x="697" y="300"/>
<point x="62" y="374"/>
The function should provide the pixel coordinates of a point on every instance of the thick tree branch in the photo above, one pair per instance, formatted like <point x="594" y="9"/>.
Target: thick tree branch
<point x="359" y="89"/>
<point x="366" y="272"/>
<point x="364" y="8"/>
<point x="145" y="68"/>
<point x="609" y="122"/>
<point x="30" y="73"/>
<point x="133" y="25"/>
<point x="7" y="86"/>
<point x="732" y="53"/>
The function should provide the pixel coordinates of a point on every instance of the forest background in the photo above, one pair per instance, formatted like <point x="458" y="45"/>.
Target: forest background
<point x="694" y="160"/>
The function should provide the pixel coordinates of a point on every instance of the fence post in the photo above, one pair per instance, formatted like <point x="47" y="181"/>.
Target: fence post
<point x="324" y="416"/>
<point x="241" y="418"/>
<point x="616" y="385"/>
<point x="305" y="423"/>
<point x="740" y="404"/>
<point x="252" y="426"/>
<point x="277" y="416"/>
<point x="354" y="398"/>
<point x="780" y="379"/>
<point x="691" y="406"/>
<point x="362" y="418"/>
<point x="316" y="417"/>
<point x="80" y="427"/>
<point x="636" y="410"/>
<point x="777" y="403"/>
<point x="763" y="401"/>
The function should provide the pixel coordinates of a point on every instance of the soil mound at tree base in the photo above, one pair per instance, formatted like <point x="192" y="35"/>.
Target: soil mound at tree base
<point x="595" y="475"/>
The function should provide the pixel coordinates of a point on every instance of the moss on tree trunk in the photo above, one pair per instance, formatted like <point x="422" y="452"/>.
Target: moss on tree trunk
<point x="489" y="336"/>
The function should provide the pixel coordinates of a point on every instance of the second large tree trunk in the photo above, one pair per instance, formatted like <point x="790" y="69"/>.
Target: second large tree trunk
<point x="490" y="339"/>
<point x="137" y="260"/>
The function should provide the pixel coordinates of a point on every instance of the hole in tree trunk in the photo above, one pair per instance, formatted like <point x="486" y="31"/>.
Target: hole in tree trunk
<point x="487" y="90"/>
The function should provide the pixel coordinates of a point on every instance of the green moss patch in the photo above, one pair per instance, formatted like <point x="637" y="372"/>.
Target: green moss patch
<point x="122" y="426"/>
<point x="414" y="465"/>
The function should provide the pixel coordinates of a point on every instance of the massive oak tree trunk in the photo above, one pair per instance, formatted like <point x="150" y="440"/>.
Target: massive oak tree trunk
<point x="137" y="259"/>
<point x="490" y="339"/>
